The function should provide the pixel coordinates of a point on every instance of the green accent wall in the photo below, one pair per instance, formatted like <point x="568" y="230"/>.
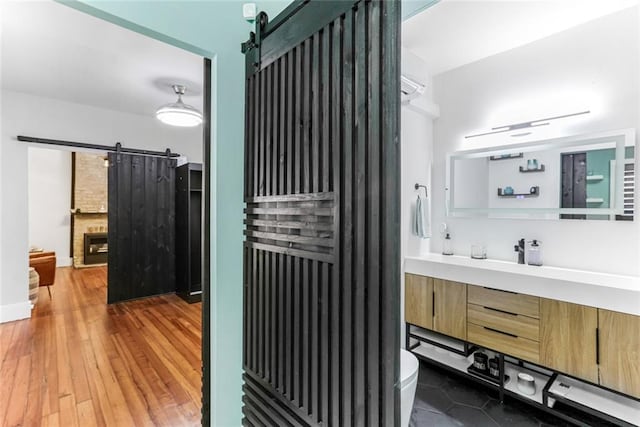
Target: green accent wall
<point x="214" y="29"/>
<point x="413" y="7"/>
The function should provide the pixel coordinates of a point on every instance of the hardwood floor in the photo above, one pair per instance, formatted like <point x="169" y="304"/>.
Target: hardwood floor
<point x="79" y="362"/>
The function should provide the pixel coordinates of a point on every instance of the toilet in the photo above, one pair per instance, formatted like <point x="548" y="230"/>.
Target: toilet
<point x="409" y="367"/>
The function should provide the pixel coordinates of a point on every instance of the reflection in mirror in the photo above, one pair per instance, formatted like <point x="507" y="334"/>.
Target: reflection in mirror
<point x="588" y="181"/>
<point x="588" y="177"/>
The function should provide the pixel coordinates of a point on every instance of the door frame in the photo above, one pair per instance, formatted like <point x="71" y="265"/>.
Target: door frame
<point x="206" y="217"/>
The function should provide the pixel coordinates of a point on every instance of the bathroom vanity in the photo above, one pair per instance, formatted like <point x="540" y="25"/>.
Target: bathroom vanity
<point x="576" y="333"/>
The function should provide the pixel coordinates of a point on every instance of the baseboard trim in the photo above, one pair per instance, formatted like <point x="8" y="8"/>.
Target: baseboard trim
<point x="11" y="312"/>
<point x="64" y="262"/>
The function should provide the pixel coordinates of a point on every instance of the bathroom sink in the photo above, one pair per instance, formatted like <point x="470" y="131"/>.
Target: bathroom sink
<point x="610" y="291"/>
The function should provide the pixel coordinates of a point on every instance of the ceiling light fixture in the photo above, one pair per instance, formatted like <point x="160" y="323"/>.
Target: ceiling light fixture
<point x="526" y="125"/>
<point x="179" y="113"/>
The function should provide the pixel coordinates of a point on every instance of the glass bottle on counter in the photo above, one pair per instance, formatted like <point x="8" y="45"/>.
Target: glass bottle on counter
<point x="447" y="245"/>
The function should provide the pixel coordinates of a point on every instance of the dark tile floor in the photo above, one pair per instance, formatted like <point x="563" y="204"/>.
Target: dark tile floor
<point x="444" y="399"/>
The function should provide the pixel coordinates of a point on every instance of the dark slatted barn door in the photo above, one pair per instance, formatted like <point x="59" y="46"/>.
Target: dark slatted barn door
<point x="321" y="257"/>
<point x="141" y="259"/>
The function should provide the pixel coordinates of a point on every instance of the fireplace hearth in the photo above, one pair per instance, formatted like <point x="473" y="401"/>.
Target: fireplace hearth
<point x="96" y="248"/>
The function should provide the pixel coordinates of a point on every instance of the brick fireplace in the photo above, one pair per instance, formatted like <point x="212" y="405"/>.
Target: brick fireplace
<point x="89" y="204"/>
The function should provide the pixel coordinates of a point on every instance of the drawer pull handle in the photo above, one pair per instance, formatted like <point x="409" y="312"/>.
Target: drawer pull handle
<point x="597" y="346"/>
<point x="500" y="332"/>
<point x="433" y="304"/>
<point x="500" y="311"/>
<point x="500" y="290"/>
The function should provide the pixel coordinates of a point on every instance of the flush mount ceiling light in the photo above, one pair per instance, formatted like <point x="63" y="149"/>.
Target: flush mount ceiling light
<point x="526" y="125"/>
<point x="179" y="113"/>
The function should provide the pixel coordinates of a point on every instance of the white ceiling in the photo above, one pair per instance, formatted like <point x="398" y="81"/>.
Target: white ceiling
<point x="454" y="33"/>
<point x="54" y="51"/>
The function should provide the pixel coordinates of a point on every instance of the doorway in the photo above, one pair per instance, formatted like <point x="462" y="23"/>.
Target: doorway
<point x="44" y="115"/>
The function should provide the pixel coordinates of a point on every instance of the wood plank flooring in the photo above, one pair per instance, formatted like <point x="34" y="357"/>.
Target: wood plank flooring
<point x="79" y="362"/>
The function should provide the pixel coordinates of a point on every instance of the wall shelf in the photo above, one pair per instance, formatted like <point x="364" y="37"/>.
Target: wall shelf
<point x="507" y="156"/>
<point x="533" y="192"/>
<point x="525" y="170"/>
<point x="595" y="200"/>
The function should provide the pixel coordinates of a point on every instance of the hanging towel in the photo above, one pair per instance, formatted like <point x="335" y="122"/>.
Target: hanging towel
<point x="420" y="219"/>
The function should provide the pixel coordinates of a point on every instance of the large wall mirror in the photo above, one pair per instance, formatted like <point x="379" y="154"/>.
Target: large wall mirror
<point x="584" y="177"/>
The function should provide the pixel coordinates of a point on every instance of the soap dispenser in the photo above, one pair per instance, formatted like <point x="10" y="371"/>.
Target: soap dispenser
<point x="534" y="253"/>
<point x="447" y="245"/>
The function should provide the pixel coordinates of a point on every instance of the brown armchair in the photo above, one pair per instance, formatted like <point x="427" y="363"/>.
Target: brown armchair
<point x="45" y="265"/>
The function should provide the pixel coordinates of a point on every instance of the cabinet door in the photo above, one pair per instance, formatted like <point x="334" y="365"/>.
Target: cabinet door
<point x="418" y="300"/>
<point x="620" y="351"/>
<point x="568" y="338"/>
<point x="450" y="311"/>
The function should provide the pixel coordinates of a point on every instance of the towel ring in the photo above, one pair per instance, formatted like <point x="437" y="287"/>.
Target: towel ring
<point x="417" y="187"/>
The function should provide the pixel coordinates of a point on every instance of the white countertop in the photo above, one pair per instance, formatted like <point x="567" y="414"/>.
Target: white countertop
<point x="608" y="291"/>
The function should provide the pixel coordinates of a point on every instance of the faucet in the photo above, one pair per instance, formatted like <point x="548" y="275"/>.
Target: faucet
<point x="520" y="249"/>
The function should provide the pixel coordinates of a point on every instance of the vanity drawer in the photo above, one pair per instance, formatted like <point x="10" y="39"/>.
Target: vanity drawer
<point x="515" y="324"/>
<point x="510" y="302"/>
<point x="512" y="345"/>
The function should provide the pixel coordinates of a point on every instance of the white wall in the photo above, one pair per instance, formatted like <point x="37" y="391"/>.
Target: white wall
<point x="49" y="201"/>
<point x="416" y="154"/>
<point x="49" y="118"/>
<point x="594" y="64"/>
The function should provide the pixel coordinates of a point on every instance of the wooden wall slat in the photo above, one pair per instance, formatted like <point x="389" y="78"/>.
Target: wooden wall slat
<point x="281" y="310"/>
<point x="253" y="147"/>
<point x="291" y="122"/>
<point x="315" y="161"/>
<point x="282" y="125"/>
<point x="289" y="318"/>
<point x="259" y="368"/>
<point x="254" y="307"/>
<point x="268" y="125"/>
<point x="275" y="145"/>
<point x="325" y="118"/>
<point x="262" y="140"/>
<point x="359" y="200"/>
<point x="390" y="218"/>
<point x="314" y="336"/>
<point x="297" y="332"/>
<point x="306" y="117"/>
<point x="267" y="316"/>
<point x="298" y="119"/>
<point x="336" y="177"/>
<point x="374" y="225"/>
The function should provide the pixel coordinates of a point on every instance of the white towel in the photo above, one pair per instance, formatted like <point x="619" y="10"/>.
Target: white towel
<point x="420" y="219"/>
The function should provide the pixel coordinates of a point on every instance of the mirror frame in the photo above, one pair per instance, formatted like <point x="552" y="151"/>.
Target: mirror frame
<point x="623" y="138"/>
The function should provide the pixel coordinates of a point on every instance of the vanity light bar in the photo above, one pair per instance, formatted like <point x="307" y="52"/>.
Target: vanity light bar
<point x="526" y="125"/>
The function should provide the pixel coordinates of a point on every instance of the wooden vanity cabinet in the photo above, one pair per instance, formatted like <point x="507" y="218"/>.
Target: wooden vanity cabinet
<point x="436" y="304"/>
<point x="418" y="300"/>
<point x="597" y="345"/>
<point x="568" y="338"/>
<point x="450" y="308"/>
<point x="619" y="336"/>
